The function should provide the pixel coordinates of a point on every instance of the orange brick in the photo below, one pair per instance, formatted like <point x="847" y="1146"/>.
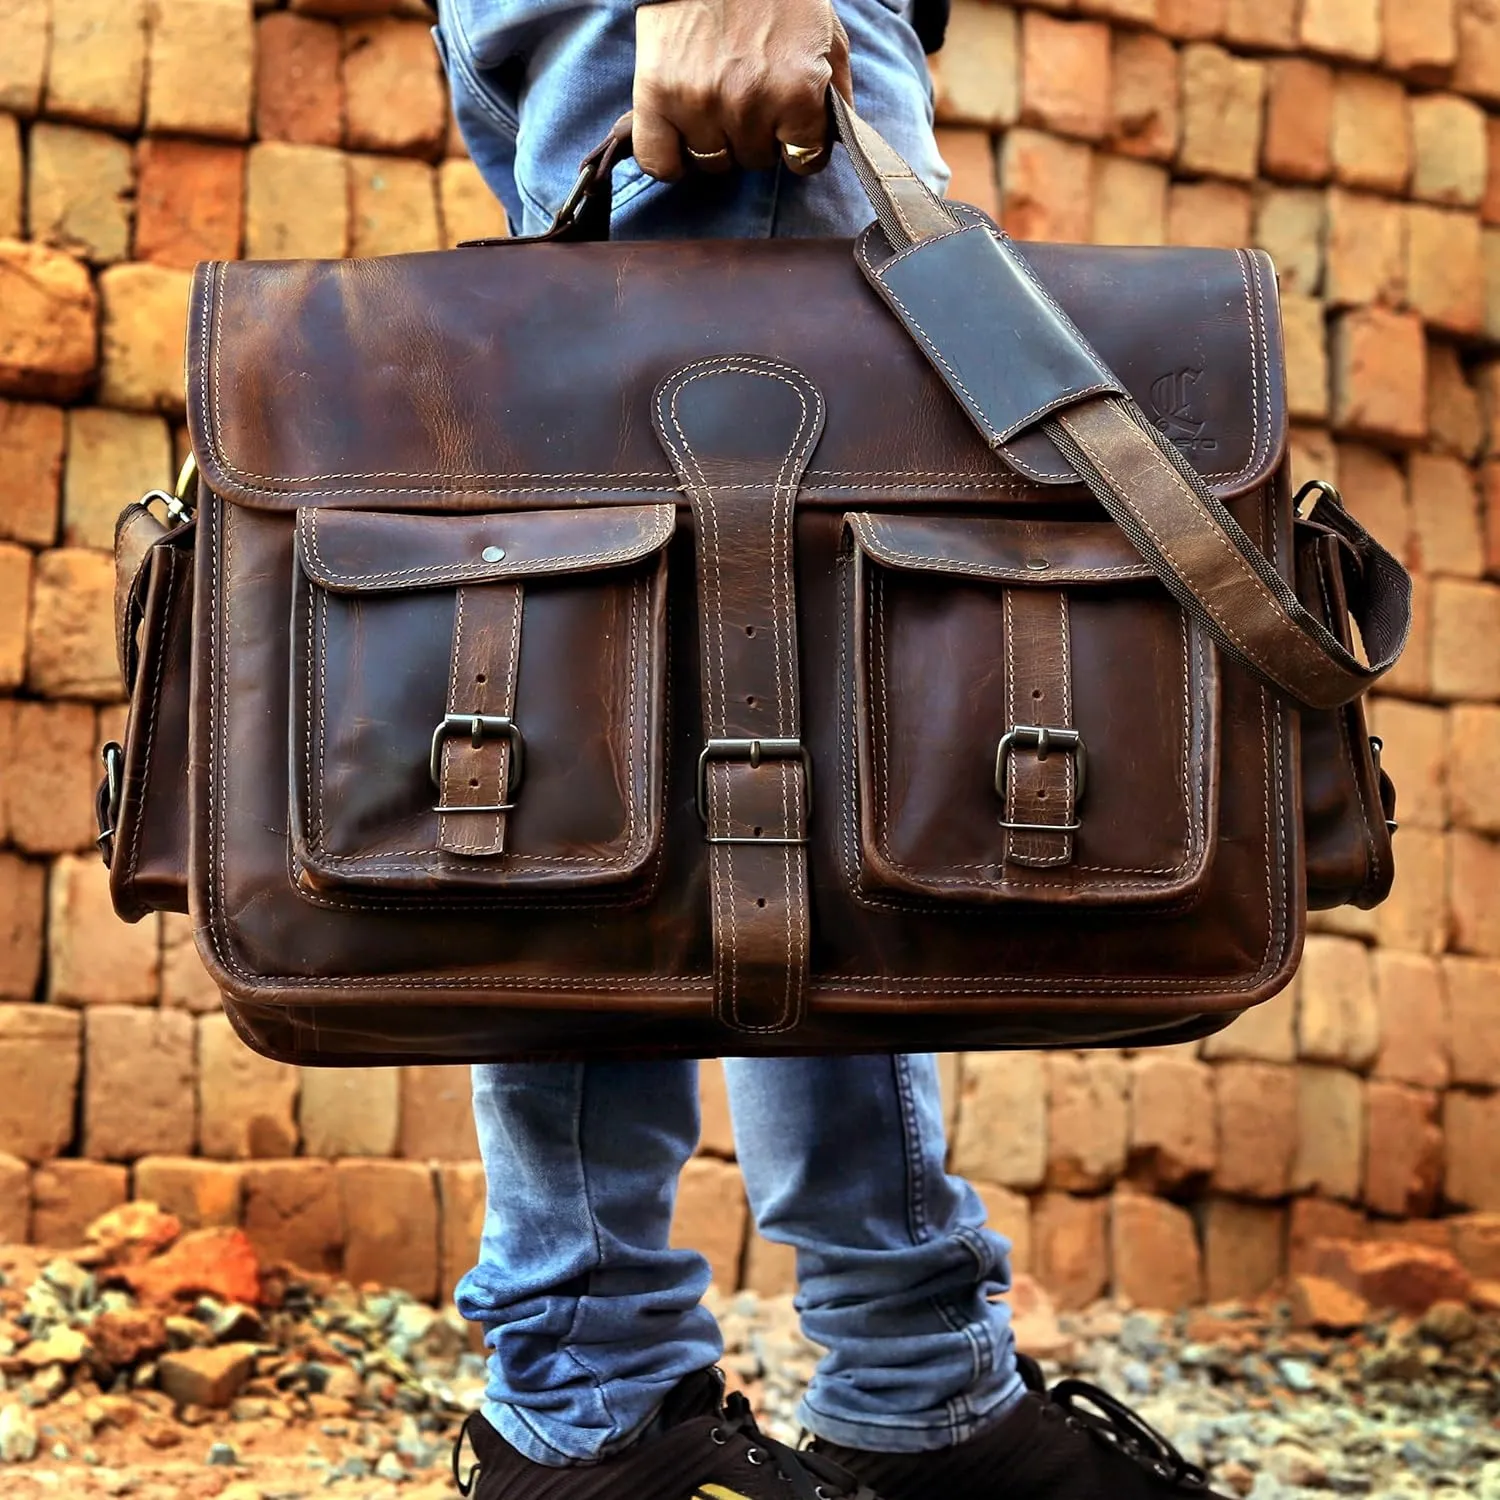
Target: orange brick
<point x="392" y="206"/>
<point x="190" y="202"/>
<point x="1154" y="1252"/>
<point x="23" y="885"/>
<point x="1379" y="361"/>
<point x="31" y="437"/>
<point x="1009" y="1214"/>
<point x="200" y="71"/>
<point x="1209" y="213"/>
<point x="1265" y="1033"/>
<point x="113" y="456"/>
<point x="1304" y="338"/>
<point x="1490" y="251"/>
<point x="40" y="1060"/>
<point x="1065" y="75"/>
<point x="1314" y="1219"/>
<point x="1465" y="627"/>
<point x="1313" y="455"/>
<point x="1371" y="132"/>
<point x="1472" y="985"/>
<point x="1337" y="1021"/>
<point x="246" y="1103"/>
<point x="185" y="983"/>
<point x="770" y="1269"/>
<point x="138" y="1082"/>
<point x="1130" y="202"/>
<point x="1366" y="249"/>
<point x="25" y="24"/>
<point x="298" y="80"/>
<point x="1270" y="25"/>
<point x="394" y="98"/>
<point x="716" y="1130"/>
<point x="96" y="62"/>
<point x="1471" y="1132"/>
<point x="15" y="1201"/>
<point x="1171" y="1121"/>
<point x="67" y="1196"/>
<point x="1244" y="1249"/>
<point x="461" y="1199"/>
<point x="1191" y="20"/>
<point x="49" y="783"/>
<point x="1086" y="1120"/>
<point x="1449" y="149"/>
<point x="1374" y="488"/>
<point x="1222" y="104"/>
<point x="390" y="1218"/>
<point x="1445" y="268"/>
<point x="1002" y="1124"/>
<point x="1299" y="120"/>
<point x="48" y="323"/>
<point x="970" y="155"/>
<point x="16" y="571"/>
<point x="92" y="957"/>
<point x="198" y="1194"/>
<point x="1421" y="36"/>
<point x="712" y="1217"/>
<point x="1445" y="516"/>
<point x="1475" y="865"/>
<point x="145" y="330"/>
<point x="296" y="202"/>
<point x="349" y="1111"/>
<point x="1330" y="1132"/>
<point x="977" y="76"/>
<point x="1489" y="208"/>
<point x="1474" y="767"/>
<point x="1143" y="109"/>
<point x="1404" y="1150"/>
<point x="71" y="648"/>
<point x="470" y="211"/>
<point x="1416" y="755"/>
<point x="1414" y="918"/>
<point x="1455" y="420"/>
<point x="1291" y="226"/>
<point x="1071" y="1247"/>
<point x="1046" y="187"/>
<point x="1478" y="69"/>
<point x="437" y="1114"/>
<point x="1342" y="28"/>
<point x="1476" y="1243"/>
<point x="293" y="1213"/>
<point x="1255" y="1110"/>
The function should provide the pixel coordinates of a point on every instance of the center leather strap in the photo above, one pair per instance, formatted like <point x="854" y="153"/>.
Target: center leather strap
<point x="739" y="431"/>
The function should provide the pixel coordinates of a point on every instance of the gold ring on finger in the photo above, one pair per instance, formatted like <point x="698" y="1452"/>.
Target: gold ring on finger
<point x="801" y="155"/>
<point x="709" y="158"/>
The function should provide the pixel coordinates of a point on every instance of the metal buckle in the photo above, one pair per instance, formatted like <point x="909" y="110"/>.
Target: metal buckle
<point x="752" y="753"/>
<point x="177" y="505"/>
<point x="479" y="728"/>
<point x="1043" y="739"/>
<point x="113" y="756"/>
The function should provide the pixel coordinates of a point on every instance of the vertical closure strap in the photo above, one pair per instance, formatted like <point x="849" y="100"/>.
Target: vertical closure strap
<point x="1040" y="771"/>
<point x="739" y="431"/>
<point x="476" y="765"/>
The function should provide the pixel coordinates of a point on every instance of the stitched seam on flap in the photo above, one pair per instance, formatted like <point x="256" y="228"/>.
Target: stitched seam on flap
<point x="869" y="529"/>
<point x="151" y="717"/>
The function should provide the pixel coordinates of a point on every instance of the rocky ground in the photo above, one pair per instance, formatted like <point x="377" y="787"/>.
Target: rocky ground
<point x="172" y="1367"/>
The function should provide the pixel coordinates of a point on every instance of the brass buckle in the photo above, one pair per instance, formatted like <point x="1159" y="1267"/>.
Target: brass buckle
<point x="1043" y="739"/>
<point x="752" y="753"/>
<point x="177" y="505"/>
<point x="479" y="728"/>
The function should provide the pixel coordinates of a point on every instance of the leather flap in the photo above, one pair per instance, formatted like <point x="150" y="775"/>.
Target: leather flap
<point x="351" y="551"/>
<point x="1005" y="549"/>
<point x="523" y="375"/>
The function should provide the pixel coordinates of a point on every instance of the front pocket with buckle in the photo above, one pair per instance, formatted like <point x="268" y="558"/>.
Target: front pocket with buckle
<point x="477" y="701"/>
<point x="1036" y="717"/>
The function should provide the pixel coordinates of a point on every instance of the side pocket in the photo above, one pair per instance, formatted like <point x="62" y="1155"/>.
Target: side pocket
<point x="143" y="812"/>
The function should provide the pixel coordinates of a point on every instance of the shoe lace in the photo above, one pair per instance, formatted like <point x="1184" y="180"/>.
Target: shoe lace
<point x="809" y="1475"/>
<point x="1111" y="1421"/>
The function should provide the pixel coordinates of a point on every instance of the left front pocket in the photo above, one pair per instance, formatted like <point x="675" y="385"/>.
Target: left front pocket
<point x="477" y="701"/>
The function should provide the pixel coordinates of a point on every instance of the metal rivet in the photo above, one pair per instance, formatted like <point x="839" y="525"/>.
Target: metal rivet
<point x="1038" y="564"/>
<point x="493" y="554"/>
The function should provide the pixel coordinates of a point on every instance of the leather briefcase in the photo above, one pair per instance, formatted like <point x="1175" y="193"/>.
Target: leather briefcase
<point x="571" y="647"/>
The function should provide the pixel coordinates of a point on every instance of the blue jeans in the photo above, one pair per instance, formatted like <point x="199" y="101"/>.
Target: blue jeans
<point x="590" y="1317"/>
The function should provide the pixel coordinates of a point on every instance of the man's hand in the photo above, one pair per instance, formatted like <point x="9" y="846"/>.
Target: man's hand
<point x="726" y="82"/>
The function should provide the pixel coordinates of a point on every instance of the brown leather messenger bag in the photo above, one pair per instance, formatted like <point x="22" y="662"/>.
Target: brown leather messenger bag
<point x="572" y="647"/>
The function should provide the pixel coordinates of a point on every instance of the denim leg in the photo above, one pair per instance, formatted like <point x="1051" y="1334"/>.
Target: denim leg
<point x="589" y="1317"/>
<point x="843" y="1160"/>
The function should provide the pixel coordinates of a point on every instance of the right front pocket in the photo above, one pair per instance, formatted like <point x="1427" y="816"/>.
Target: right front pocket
<point x="478" y="701"/>
<point x="1036" y="717"/>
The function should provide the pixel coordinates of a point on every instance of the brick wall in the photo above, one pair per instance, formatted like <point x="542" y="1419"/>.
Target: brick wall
<point x="1358" y="141"/>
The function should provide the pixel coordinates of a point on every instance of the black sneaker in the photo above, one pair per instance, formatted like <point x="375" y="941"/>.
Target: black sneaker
<point x="1074" y="1442"/>
<point x="701" y="1447"/>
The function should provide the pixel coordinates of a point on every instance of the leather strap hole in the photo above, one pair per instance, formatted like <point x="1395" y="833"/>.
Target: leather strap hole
<point x="1036" y="693"/>
<point x="760" y="900"/>
<point x="749" y="700"/>
<point x="750" y="631"/>
<point x="757" y="833"/>
<point x="481" y="678"/>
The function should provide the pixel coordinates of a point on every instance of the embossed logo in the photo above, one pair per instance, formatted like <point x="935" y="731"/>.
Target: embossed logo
<point x="1172" y="396"/>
